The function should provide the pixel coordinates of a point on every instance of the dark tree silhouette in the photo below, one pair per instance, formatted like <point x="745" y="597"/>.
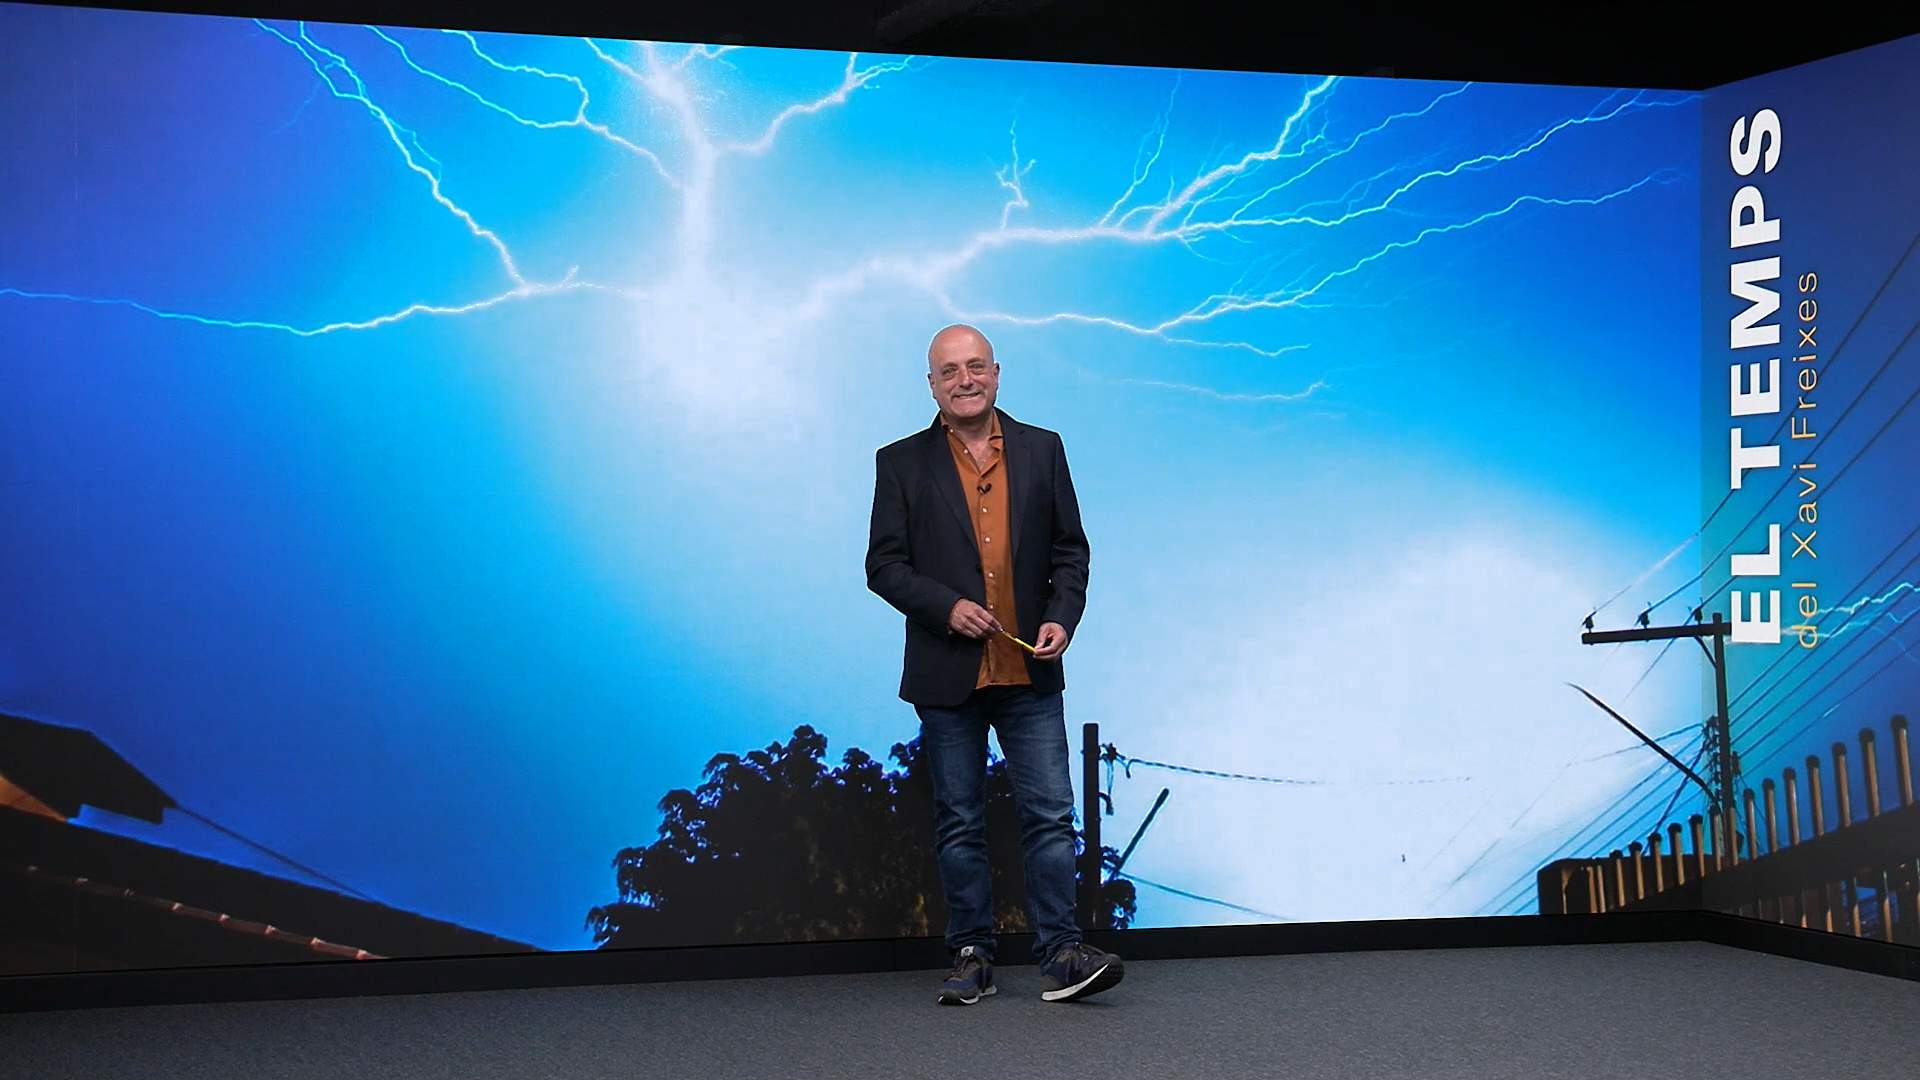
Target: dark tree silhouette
<point x="776" y="846"/>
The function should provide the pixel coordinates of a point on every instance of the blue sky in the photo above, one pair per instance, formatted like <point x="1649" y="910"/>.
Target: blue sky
<point x="438" y="447"/>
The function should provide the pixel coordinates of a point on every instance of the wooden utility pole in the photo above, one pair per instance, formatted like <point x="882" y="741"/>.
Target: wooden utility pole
<point x="1089" y="900"/>
<point x="1720" y="725"/>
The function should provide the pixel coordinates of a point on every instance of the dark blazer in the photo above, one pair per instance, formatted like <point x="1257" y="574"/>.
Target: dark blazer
<point x="921" y="555"/>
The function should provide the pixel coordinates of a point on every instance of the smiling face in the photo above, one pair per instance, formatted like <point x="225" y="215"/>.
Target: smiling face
<point x="964" y="376"/>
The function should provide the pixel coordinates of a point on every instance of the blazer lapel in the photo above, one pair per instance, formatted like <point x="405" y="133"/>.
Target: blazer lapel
<point x="1019" y="462"/>
<point x="946" y="478"/>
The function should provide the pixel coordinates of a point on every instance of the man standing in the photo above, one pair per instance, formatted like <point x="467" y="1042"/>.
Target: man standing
<point x="976" y="539"/>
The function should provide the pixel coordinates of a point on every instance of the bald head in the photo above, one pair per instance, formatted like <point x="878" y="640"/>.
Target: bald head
<point x="963" y="375"/>
<point x="961" y="338"/>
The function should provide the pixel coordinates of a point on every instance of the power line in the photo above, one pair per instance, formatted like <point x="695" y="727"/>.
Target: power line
<point x="1806" y="656"/>
<point x="1832" y="358"/>
<point x="264" y="849"/>
<point x="1661" y="655"/>
<point x="1612" y="829"/>
<point x="1831" y="484"/>
<point x="1682" y="789"/>
<point x="1586" y="837"/>
<point x="1528" y="809"/>
<point x="1648" y="572"/>
<point x="1128" y="763"/>
<point x="1516" y="894"/>
<point x="1635" y="746"/>
<point x="1214" y="900"/>
<point x="1835" y="681"/>
<point x="1457" y="833"/>
<point x="1881" y="670"/>
<point x="1558" y="773"/>
<point x="1848" y="591"/>
<point x="1643" y="736"/>
<point x="1514" y="824"/>
<point x="1832" y="654"/>
<point x="1594" y="829"/>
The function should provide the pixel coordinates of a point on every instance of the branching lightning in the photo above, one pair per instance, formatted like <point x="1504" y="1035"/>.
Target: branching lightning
<point x="521" y="292"/>
<point x="579" y="118"/>
<point x="323" y="61"/>
<point x="1856" y="620"/>
<point x="1010" y="177"/>
<point x="1234" y="199"/>
<point x="850" y="82"/>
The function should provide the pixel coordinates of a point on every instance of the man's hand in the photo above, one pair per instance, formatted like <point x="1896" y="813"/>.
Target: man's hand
<point x="972" y="620"/>
<point x="1052" y="641"/>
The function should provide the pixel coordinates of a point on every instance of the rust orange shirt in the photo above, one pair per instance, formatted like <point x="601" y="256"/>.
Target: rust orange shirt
<point x="1002" y="663"/>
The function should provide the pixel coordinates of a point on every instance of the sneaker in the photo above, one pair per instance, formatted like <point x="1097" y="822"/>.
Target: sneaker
<point x="970" y="980"/>
<point x="1078" y="970"/>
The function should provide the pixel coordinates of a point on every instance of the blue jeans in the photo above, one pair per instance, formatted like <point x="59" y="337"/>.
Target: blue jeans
<point x="1033" y="735"/>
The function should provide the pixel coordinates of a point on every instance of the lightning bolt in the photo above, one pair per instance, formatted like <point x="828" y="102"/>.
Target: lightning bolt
<point x="1141" y="171"/>
<point x="850" y="82"/>
<point x="1289" y="298"/>
<point x="324" y="61"/>
<point x="1480" y="162"/>
<point x="520" y="292"/>
<point x="1218" y="395"/>
<point x="704" y="52"/>
<point x="1010" y="178"/>
<point x="1880" y="601"/>
<point x="1210" y="205"/>
<point x="664" y="82"/>
<point x="1201" y="183"/>
<point x="1177" y="219"/>
<point x="1351" y="145"/>
<point x="578" y="120"/>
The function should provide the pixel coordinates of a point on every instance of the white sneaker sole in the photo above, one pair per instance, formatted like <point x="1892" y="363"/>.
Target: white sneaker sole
<point x="943" y="999"/>
<point x="1067" y="993"/>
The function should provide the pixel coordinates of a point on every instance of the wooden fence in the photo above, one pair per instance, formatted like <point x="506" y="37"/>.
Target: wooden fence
<point x="1782" y="861"/>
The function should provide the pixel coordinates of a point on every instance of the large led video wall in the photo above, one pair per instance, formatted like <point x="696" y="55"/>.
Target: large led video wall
<point x="1811" y="514"/>
<point x="438" y="469"/>
<point x="1795" y="803"/>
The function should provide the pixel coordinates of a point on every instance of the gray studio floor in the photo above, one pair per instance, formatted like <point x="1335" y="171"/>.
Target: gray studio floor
<point x="1587" y="1012"/>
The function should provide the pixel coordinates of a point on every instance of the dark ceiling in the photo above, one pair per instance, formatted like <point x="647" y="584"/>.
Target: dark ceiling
<point x="1666" y="45"/>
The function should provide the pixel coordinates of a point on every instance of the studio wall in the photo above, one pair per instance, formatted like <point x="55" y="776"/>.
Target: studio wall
<point x="1819" y="716"/>
<point x="1800" y="808"/>
<point x="440" y="467"/>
